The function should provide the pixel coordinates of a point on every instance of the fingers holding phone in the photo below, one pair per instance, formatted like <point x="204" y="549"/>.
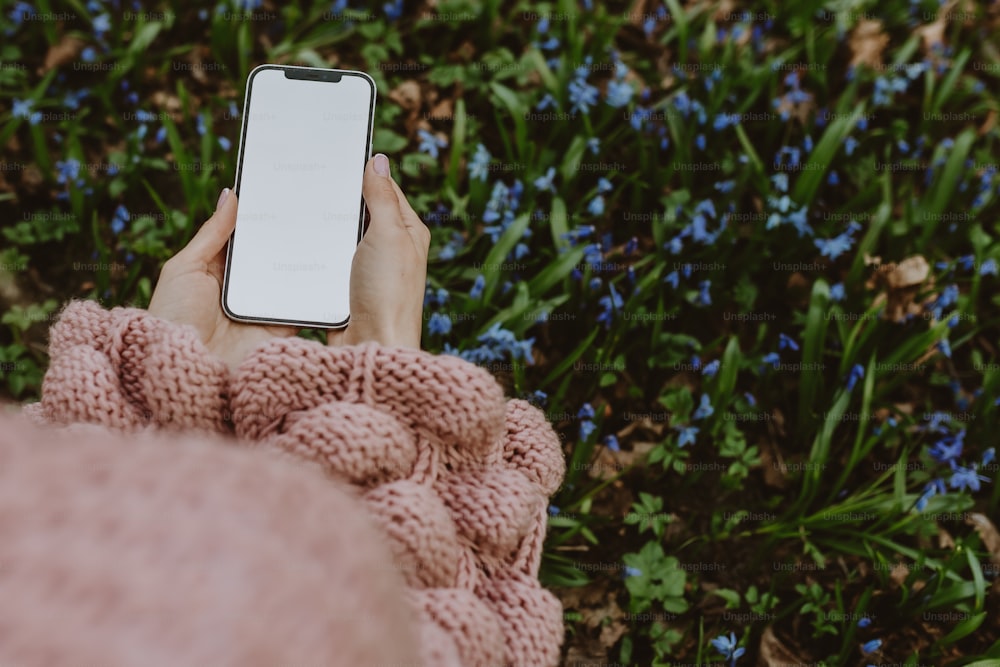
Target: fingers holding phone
<point x="389" y="270"/>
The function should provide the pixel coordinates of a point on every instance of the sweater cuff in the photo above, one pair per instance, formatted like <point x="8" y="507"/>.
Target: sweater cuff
<point x="127" y="369"/>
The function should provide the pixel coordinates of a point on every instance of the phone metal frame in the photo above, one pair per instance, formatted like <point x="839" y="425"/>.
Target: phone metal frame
<point x="310" y="74"/>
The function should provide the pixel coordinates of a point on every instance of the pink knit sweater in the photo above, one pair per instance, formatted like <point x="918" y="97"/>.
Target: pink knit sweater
<point x="414" y="539"/>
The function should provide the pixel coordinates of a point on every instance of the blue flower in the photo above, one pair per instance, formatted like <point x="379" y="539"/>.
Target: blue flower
<point x="545" y="182"/>
<point x="604" y="185"/>
<point x="850" y="144"/>
<point x="479" y="167"/>
<point x="872" y="646"/>
<point x="496" y="343"/>
<point x="553" y="510"/>
<point x="966" y="479"/>
<point x="118" y="220"/>
<point x="864" y="622"/>
<point x="611" y="442"/>
<point x="772" y="358"/>
<point x="594" y="145"/>
<point x="224" y="143"/>
<point x="596" y="206"/>
<point x="838" y="245"/>
<point x="609" y="306"/>
<point x="988" y="268"/>
<point x="711" y="368"/>
<point x="787" y="342"/>
<point x="586" y="411"/>
<point x="837" y="292"/>
<point x="438" y="324"/>
<point x="69" y="171"/>
<point x="673" y="278"/>
<point x="587" y="427"/>
<point x="704" y="297"/>
<point x="477" y="287"/>
<point x="728" y="647"/>
<point x="704" y="409"/>
<point x="430" y="143"/>
<point x="988" y="456"/>
<point x="546" y="102"/>
<point x="619" y="91"/>
<point x="856" y="373"/>
<point x="688" y="435"/>
<point x="948" y="449"/>
<point x="101" y="25"/>
<point x="933" y="488"/>
<point x="22" y="109"/>
<point x="632" y="571"/>
<point x="582" y="95"/>
<point x="393" y="10"/>
<point x="945" y="347"/>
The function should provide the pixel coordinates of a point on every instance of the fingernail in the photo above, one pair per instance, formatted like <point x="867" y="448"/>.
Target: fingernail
<point x="223" y="196"/>
<point x="381" y="165"/>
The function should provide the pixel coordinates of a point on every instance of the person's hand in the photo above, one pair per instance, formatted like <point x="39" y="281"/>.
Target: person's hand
<point x="389" y="273"/>
<point x="189" y="290"/>
<point x="388" y="277"/>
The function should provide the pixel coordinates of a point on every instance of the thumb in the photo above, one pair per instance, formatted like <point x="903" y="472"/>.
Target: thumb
<point x="214" y="234"/>
<point x="380" y="195"/>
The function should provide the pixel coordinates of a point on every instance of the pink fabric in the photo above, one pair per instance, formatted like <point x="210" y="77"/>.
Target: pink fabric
<point x="453" y="479"/>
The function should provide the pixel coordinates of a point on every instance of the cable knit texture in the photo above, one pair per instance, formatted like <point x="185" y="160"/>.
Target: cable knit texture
<point x="454" y="478"/>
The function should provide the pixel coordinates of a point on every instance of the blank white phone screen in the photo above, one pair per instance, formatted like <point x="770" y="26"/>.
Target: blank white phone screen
<point x="303" y="154"/>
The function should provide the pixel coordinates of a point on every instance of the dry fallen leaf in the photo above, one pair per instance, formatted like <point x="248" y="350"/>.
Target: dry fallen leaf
<point x="65" y="51"/>
<point x="901" y="283"/>
<point x="774" y="653"/>
<point x="987" y="533"/>
<point x="867" y="43"/>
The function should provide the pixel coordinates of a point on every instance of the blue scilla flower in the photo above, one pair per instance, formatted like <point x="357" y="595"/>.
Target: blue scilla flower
<point x="872" y="646"/>
<point x="582" y="95"/>
<point x="619" y="93"/>
<point x="604" y="185"/>
<point x="23" y="109"/>
<point x="838" y="245"/>
<point x="704" y="409"/>
<point x="479" y="166"/>
<point x="630" y="571"/>
<point x="837" y="292"/>
<point x="704" y="297"/>
<point x="68" y="171"/>
<point x="224" y="143"/>
<point x="586" y="411"/>
<point x="546" y="102"/>
<point x="966" y="479"/>
<point x="439" y="324"/>
<point x="553" y="510"/>
<point x="610" y="305"/>
<point x="611" y="442"/>
<point x="772" y="358"/>
<point x="101" y="25"/>
<point x="118" y="220"/>
<point x="856" y="373"/>
<point x="596" y="206"/>
<point x="949" y="448"/>
<point x="711" y="368"/>
<point x="864" y="622"/>
<point x="728" y="647"/>
<point x="686" y="435"/>
<point x="393" y="10"/>
<point x="933" y="488"/>
<point x="430" y="143"/>
<point x="544" y="182"/>
<point x="477" y="287"/>
<point x="787" y="343"/>
<point x="988" y="268"/>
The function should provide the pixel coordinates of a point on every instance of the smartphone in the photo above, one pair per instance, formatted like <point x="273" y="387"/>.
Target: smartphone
<point x="306" y="136"/>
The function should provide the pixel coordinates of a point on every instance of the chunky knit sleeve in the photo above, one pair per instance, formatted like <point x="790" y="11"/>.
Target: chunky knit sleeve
<point x="454" y="474"/>
<point x="125" y="369"/>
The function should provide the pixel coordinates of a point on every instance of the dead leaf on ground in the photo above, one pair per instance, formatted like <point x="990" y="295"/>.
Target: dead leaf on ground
<point x="987" y="533"/>
<point x="65" y="51"/>
<point x="900" y="284"/>
<point x="867" y="43"/>
<point x="774" y="653"/>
